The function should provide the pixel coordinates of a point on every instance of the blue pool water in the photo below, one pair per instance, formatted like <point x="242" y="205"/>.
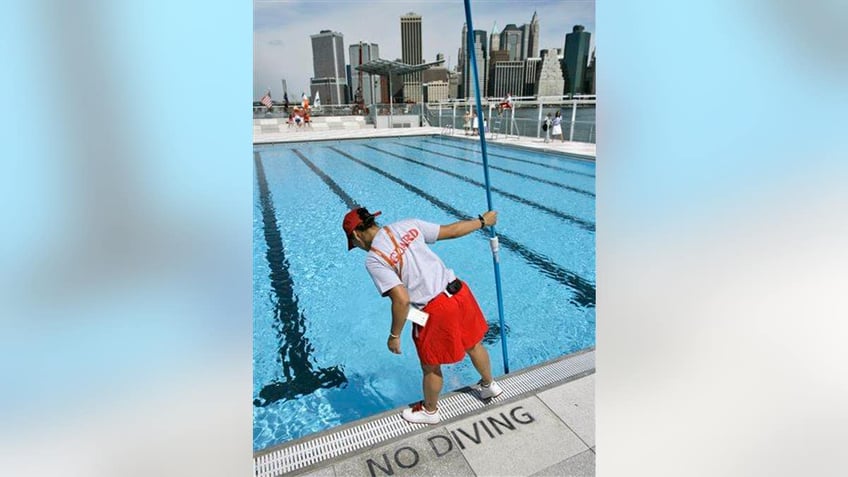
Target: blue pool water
<point x="320" y="327"/>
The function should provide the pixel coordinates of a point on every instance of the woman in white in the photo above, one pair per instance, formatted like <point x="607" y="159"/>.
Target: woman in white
<point x="557" y="126"/>
<point x="467" y="124"/>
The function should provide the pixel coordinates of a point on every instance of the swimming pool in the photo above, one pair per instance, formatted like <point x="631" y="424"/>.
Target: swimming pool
<point x="320" y="327"/>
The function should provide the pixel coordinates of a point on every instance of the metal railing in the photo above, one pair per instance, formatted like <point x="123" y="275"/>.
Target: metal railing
<point x="577" y="112"/>
<point x="578" y="116"/>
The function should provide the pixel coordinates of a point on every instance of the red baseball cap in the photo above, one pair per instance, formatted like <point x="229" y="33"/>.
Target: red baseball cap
<point x="353" y="219"/>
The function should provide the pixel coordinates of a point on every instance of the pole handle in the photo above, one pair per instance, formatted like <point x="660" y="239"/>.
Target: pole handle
<point x="493" y="242"/>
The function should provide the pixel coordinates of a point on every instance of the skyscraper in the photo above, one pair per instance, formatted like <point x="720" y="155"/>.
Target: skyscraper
<point x="411" y="54"/>
<point x="328" y="62"/>
<point x="531" y="72"/>
<point x="461" y="61"/>
<point x="590" y="76"/>
<point x="453" y="84"/>
<point x="511" y="41"/>
<point x="494" y="41"/>
<point x="508" y="78"/>
<point x="533" y="42"/>
<point x="370" y="83"/>
<point x="575" y="59"/>
<point x="481" y="53"/>
<point x="525" y="41"/>
<point x="496" y="57"/>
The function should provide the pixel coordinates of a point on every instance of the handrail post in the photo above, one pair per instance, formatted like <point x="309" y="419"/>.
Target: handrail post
<point x="539" y="121"/>
<point x="573" y="117"/>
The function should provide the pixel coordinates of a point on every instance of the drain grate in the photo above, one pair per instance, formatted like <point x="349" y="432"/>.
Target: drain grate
<point x="334" y="444"/>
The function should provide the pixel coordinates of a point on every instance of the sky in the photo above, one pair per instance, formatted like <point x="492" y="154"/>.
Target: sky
<point x="282" y="47"/>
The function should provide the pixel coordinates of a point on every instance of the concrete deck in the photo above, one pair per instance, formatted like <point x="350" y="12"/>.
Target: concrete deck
<point x="581" y="149"/>
<point x="549" y="431"/>
<point x="552" y="434"/>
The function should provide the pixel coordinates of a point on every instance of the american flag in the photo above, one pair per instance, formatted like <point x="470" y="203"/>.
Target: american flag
<point x="266" y="100"/>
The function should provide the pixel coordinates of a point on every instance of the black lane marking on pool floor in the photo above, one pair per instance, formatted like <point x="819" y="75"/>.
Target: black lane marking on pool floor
<point x="492" y="154"/>
<point x="556" y="213"/>
<point x="508" y="171"/>
<point x="295" y="351"/>
<point x="584" y="291"/>
<point x="348" y="200"/>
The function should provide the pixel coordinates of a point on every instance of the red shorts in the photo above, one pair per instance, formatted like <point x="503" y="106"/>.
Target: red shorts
<point x="455" y="325"/>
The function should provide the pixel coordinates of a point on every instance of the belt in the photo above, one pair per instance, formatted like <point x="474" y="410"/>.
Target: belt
<point x="453" y="288"/>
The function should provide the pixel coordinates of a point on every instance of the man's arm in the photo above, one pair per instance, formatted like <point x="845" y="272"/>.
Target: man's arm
<point x="400" y="308"/>
<point x="465" y="227"/>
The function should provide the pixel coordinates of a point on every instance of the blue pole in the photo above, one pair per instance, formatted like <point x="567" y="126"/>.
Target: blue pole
<point x="493" y="240"/>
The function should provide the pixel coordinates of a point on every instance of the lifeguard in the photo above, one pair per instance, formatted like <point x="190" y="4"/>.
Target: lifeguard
<point x="506" y="103"/>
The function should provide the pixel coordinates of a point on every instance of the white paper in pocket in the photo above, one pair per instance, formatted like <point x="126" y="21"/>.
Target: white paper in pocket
<point x="417" y="316"/>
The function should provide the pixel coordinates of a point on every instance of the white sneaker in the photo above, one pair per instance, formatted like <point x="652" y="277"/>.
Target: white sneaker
<point x="417" y="414"/>
<point x="490" y="391"/>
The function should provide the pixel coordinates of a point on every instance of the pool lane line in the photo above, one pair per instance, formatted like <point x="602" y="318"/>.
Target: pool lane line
<point x="584" y="224"/>
<point x="584" y="291"/>
<point x="508" y="171"/>
<point x="348" y="200"/>
<point x="471" y="149"/>
<point x="300" y="378"/>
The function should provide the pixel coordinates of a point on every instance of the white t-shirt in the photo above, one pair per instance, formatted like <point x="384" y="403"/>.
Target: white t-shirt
<point x="423" y="272"/>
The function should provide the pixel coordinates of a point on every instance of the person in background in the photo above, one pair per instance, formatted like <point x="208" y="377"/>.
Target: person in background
<point x="557" y="126"/>
<point x="546" y="126"/>
<point x="405" y="269"/>
<point x="298" y="117"/>
<point x="506" y="103"/>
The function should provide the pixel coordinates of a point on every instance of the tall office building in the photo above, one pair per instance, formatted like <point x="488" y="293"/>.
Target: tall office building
<point x="328" y="62"/>
<point x="361" y="53"/>
<point x="453" y="84"/>
<point x="496" y="57"/>
<point x="436" y="82"/>
<point x="533" y="40"/>
<point x="531" y="72"/>
<point x="481" y="54"/>
<point x="508" y="78"/>
<point x="590" y="76"/>
<point x="525" y="41"/>
<point x="461" y="60"/>
<point x="436" y="73"/>
<point x="436" y="91"/>
<point x="511" y="41"/>
<point x="549" y="81"/>
<point x="575" y="59"/>
<point x="411" y="54"/>
<point x="494" y="41"/>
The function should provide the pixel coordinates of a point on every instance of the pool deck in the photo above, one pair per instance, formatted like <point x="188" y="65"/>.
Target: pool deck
<point x="547" y="431"/>
<point x="581" y="149"/>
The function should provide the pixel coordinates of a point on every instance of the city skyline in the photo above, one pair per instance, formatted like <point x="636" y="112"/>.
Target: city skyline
<point x="282" y="31"/>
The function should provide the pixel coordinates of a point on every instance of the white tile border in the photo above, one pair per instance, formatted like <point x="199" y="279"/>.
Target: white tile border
<point x="294" y="134"/>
